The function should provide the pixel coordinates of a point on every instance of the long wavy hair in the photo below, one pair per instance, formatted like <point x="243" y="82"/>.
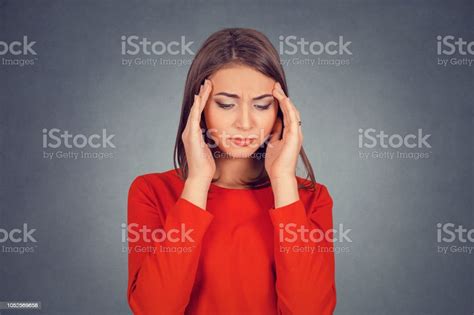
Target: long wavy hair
<point x="242" y="46"/>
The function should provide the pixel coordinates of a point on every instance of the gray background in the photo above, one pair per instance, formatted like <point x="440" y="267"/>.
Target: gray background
<point x="393" y="83"/>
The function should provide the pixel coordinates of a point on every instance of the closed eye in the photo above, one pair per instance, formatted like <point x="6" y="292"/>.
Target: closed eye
<point x="262" y="107"/>
<point x="225" y="106"/>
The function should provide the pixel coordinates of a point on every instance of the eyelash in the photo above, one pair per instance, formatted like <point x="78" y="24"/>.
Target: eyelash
<point x="229" y="106"/>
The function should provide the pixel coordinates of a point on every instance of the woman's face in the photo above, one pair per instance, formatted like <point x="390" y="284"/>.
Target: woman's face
<point x="241" y="111"/>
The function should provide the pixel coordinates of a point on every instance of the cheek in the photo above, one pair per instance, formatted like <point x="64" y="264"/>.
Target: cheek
<point x="216" y="122"/>
<point x="266" y="121"/>
<point x="212" y="118"/>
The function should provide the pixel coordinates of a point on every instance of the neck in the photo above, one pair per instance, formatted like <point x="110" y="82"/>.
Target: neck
<point x="232" y="171"/>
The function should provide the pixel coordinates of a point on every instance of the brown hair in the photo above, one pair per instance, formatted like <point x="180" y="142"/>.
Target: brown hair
<point x="233" y="46"/>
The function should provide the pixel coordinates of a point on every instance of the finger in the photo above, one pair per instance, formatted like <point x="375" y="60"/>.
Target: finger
<point x="194" y="114"/>
<point x="199" y="104"/>
<point x="191" y="111"/>
<point x="295" y="111"/>
<point x="297" y="116"/>
<point x="297" y="120"/>
<point x="206" y="92"/>
<point x="300" y="127"/>
<point x="188" y="127"/>
<point x="293" y="116"/>
<point x="276" y="131"/>
<point x="196" y="121"/>
<point x="280" y="96"/>
<point x="291" y="122"/>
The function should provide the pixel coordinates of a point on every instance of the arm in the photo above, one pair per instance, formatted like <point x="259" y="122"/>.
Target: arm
<point x="160" y="281"/>
<point x="305" y="270"/>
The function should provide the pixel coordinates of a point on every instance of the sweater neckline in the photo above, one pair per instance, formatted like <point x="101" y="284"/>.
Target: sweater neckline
<point x="216" y="188"/>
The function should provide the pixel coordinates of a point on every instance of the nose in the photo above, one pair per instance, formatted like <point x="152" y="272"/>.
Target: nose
<point x="244" y="120"/>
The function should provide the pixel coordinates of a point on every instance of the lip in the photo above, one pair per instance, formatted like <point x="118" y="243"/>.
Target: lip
<point x="242" y="142"/>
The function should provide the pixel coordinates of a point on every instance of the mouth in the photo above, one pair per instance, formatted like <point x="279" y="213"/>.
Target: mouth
<point x="242" y="142"/>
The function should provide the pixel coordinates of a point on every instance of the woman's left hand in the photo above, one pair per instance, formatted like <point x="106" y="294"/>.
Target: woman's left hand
<point x="282" y="154"/>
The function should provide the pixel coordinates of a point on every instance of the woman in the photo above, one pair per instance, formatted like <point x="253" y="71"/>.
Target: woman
<point x="232" y="229"/>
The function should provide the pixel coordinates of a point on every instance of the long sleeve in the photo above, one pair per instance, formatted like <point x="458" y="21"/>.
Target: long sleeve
<point x="162" y="269"/>
<point x="305" y="268"/>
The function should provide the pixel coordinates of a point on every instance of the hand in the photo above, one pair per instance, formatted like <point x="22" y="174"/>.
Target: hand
<point x="282" y="155"/>
<point x="201" y="164"/>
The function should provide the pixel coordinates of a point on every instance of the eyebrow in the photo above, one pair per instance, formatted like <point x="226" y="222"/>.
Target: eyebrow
<point x="237" y="97"/>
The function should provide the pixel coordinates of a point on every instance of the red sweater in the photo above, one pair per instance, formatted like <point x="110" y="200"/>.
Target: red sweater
<point x="236" y="258"/>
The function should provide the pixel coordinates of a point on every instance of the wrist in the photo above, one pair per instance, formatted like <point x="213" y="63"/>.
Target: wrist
<point x="195" y="191"/>
<point x="283" y="179"/>
<point x="285" y="190"/>
<point x="195" y="180"/>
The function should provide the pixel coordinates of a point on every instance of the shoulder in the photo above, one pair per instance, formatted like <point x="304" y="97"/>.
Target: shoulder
<point x="156" y="183"/>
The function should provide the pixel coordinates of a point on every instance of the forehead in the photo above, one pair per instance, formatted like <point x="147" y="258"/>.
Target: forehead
<point x="240" y="79"/>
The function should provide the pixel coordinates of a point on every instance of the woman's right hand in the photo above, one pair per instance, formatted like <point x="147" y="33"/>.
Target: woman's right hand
<point x="201" y="165"/>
